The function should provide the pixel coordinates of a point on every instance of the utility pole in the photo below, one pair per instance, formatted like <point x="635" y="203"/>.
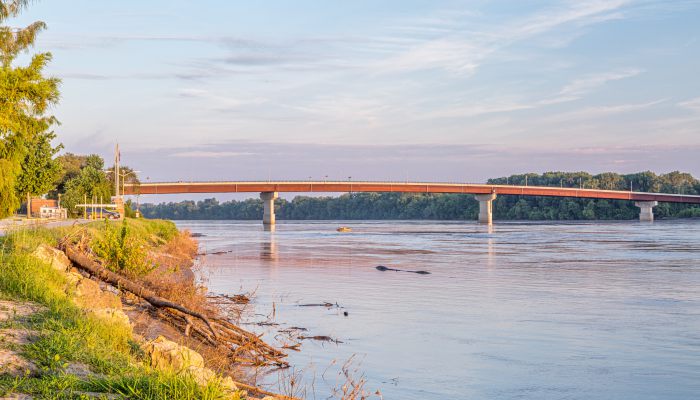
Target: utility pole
<point x="116" y="171"/>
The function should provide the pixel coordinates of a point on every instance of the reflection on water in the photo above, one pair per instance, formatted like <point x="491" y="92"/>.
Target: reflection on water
<point x="268" y="248"/>
<point x="518" y="310"/>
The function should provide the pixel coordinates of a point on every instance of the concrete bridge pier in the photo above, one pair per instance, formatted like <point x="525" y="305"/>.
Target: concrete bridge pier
<point x="646" y="209"/>
<point x="486" y="207"/>
<point x="268" y="199"/>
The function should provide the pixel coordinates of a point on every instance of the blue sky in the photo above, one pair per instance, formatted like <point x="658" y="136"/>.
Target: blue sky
<point x="431" y="90"/>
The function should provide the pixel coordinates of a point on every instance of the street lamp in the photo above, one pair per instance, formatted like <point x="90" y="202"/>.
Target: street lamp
<point x="124" y="175"/>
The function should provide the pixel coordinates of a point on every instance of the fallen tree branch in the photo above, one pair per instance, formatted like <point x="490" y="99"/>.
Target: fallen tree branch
<point x="217" y="332"/>
<point x="121" y="282"/>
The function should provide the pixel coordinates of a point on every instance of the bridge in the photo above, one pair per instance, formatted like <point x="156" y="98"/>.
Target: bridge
<point x="484" y="193"/>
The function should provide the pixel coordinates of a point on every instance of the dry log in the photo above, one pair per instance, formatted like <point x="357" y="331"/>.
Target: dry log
<point x="217" y="332"/>
<point x="87" y="263"/>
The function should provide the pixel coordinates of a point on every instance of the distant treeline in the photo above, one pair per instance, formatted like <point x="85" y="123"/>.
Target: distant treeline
<point x="457" y="206"/>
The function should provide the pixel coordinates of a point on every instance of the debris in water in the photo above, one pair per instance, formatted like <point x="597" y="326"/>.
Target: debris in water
<point x="326" y="304"/>
<point x="321" y="338"/>
<point x="383" y="268"/>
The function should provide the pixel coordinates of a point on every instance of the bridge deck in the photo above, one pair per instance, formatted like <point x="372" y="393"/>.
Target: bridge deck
<point x="404" y="187"/>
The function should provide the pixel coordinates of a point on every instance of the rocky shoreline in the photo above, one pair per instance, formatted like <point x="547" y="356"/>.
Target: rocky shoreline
<point x="163" y="346"/>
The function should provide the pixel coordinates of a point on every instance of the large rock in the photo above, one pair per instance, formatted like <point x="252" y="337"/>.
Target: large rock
<point x="168" y="355"/>
<point x="113" y="315"/>
<point x="88" y="295"/>
<point x="85" y="293"/>
<point x="204" y="375"/>
<point x="54" y="257"/>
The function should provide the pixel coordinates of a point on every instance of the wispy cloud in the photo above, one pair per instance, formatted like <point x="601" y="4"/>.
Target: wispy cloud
<point x="588" y="83"/>
<point x="691" y="104"/>
<point x="210" y="154"/>
<point x="461" y="51"/>
<point x="217" y="101"/>
<point x="572" y="91"/>
<point x="595" y="113"/>
<point x="477" y="109"/>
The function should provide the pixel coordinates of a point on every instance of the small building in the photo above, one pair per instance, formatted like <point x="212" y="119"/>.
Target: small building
<point x="38" y="203"/>
<point x="47" y="212"/>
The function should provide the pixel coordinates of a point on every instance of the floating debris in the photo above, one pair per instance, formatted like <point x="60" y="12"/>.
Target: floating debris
<point x="321" y="338"/>
<point x="326" y="304"/>
<point x="383" y="268"/>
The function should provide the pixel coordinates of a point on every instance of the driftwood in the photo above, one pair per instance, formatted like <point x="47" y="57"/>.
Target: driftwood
<point x="383" y="268"/>
<point x="322" y="338"/>
<point x="119" y="281"/>
<point x="240" y="345"/>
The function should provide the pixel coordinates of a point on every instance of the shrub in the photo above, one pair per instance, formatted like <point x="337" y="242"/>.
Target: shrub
<point x="122" y="252"/>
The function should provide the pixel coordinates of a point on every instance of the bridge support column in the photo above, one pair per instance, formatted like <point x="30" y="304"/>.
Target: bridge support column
<point x="486" y="207"/>
<point x="646" y="209"/>
<point x="268" y="199"/>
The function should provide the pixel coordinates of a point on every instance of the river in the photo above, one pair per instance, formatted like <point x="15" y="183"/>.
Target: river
<point x="584" y="310"/>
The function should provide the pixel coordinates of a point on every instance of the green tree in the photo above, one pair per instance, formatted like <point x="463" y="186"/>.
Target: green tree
<point x="39" y="168"/>
<point x="91" y="184"/>
<point x="25" y="96"/>
<point x="69" y="168"/>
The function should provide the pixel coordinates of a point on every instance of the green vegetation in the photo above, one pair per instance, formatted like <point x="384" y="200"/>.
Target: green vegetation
<point x="89" y="184"/>
<point x="123" y="252"/>
<point x="457" y="206"/>
<point x="123" y="246"/>
<point x="26" y="164"/>
<point x="69" y="335"/>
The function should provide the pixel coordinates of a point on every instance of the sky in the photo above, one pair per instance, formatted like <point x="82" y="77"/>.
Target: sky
<point x="386" y="90"/>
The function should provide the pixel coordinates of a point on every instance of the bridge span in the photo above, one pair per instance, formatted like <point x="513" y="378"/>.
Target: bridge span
<point x="484" y="193"/>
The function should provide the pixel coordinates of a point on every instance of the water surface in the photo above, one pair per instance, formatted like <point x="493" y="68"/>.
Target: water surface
<point x="600" y="310"/>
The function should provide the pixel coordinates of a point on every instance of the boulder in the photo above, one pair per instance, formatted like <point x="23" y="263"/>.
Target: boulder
<point x="88" y="295"/>
<point x="204" y="375"/>
<point x="166" y="354"/>
<point x="73" y="278"/>
<point x="54" y="257"/>
<point x="112" y="314"/>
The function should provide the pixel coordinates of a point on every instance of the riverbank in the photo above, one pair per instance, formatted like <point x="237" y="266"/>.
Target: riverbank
<point x="65" y="335"/>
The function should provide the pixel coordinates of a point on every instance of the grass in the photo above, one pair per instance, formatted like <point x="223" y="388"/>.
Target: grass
<point x="68" y="335"/>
